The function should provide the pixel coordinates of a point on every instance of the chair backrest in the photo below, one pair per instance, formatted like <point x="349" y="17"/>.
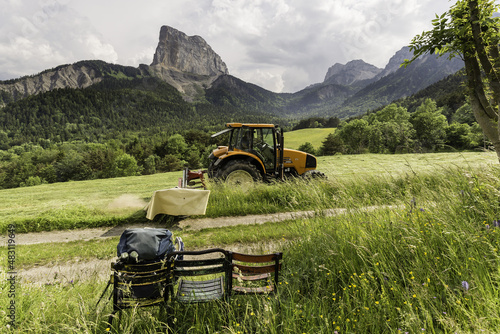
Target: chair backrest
<point x="257" y="274"/>
<point x="138" y="285"/>
<point x="199" y="276"/>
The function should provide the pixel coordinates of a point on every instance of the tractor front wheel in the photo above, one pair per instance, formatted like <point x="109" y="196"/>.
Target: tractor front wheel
<point x="239" y="172"/>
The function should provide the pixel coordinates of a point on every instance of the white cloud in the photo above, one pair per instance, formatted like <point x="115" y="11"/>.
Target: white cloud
<point x="99" y="50"/>
<point x="37" y="35"/>
<point x="264" y="78"/>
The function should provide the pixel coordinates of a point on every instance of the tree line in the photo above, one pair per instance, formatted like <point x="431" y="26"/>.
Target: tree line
<point x="32" y="164"/>
<point x="394" y="130"/>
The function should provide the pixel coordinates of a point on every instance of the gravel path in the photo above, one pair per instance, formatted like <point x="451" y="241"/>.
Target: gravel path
<point x="186" y="224"/>
<point x="100" y="269"/>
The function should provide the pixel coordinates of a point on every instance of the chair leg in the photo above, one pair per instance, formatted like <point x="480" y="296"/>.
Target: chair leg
<point x="163" y="314"/>
<point x="110" y="319"/>
<point x="170" y="316"/>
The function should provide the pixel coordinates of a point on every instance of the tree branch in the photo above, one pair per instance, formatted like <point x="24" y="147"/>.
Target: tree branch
<point x="479" y="43"/>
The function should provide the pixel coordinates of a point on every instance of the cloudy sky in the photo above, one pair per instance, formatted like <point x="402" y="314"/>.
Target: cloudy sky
<point x="281" y="45"/>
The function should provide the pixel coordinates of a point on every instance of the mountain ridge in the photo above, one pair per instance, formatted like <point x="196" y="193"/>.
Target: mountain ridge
<point x="190" y="65"/>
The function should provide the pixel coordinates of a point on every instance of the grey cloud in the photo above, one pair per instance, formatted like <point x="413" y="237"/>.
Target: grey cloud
<point x="277" y="44"/>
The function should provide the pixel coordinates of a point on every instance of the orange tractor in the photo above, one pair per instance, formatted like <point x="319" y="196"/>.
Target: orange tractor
<point x="255" y="152"/>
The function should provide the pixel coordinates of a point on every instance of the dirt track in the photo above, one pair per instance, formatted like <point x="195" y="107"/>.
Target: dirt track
<point x="186" y="224"/>
<point x="100" y="269"/>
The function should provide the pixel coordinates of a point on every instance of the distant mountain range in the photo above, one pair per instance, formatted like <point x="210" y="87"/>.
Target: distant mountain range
<point x="200" y="76"/>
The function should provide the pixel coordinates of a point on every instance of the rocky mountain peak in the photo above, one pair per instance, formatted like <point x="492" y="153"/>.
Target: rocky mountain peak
<point x="190" y="54"/>
<point x="350" y="73"/>
<point x="395" y="62"/>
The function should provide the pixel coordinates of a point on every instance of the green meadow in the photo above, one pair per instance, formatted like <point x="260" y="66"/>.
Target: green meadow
<point x="414" y="250"/>
<point x="294" y="139"/>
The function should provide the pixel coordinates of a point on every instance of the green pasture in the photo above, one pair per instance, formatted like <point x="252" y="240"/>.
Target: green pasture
<point x="424" y="258"/>
<point x="293" y="139"/>
<point x="111" y="202"/>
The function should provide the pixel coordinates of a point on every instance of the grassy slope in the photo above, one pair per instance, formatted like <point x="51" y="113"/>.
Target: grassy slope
<point x="294" y="139"/>
<point x="104" y="202"/>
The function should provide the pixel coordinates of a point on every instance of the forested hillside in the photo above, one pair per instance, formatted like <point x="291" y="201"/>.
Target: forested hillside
<point x="109" y="109"/>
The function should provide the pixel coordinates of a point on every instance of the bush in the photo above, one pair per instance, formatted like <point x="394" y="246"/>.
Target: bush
<point x="308" y="148"/>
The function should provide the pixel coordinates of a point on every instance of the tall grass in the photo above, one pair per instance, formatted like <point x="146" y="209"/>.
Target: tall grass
<point x="429" y="264"/>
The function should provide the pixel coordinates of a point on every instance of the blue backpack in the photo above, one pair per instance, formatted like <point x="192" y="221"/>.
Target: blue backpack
<point x="149" y="243"/>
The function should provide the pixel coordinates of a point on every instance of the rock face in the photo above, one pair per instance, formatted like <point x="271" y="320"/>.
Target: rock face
<point x="69" y="76"/>
<point x="186" y="62"/>
<point x="350" y="73"/>
<point x="184" y="53"/>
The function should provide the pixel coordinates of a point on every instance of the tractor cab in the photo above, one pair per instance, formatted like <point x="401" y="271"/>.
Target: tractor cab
<point x="260" y="141"/>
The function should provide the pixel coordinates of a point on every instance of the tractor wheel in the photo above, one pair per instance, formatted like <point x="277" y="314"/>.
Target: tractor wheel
<point x="313" y="174"/>
<point x="239" y="172"/>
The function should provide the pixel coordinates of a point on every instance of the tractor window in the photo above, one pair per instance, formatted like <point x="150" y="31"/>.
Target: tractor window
<point x="268" y="137"/>
<point x="245" y="139"/>
<point x="235" y="138"/>
<point x="264" y="144"/>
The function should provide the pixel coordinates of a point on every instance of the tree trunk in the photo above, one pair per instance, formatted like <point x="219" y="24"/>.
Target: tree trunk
<point x="484" y="113"/>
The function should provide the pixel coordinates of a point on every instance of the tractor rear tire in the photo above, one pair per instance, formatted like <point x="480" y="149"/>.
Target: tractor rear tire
<point x="239" y="172"/>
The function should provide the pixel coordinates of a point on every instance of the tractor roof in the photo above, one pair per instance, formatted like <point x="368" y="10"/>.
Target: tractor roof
<point x="245" y="125"/>
<point x="231" y="126"/>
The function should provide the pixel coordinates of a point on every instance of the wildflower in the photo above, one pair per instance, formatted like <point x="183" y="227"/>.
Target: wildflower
<point x="108" y="329"/>
<point x="465" y="285"/>
<point x="496" y="223"/>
